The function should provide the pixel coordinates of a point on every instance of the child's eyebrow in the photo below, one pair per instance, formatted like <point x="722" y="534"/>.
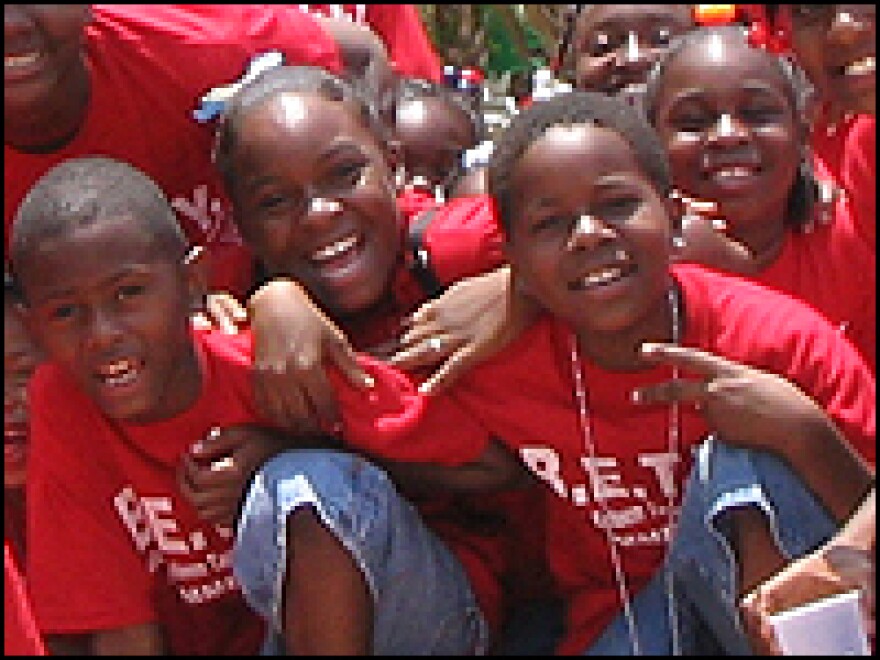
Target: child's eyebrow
<point x="67" y="292"/>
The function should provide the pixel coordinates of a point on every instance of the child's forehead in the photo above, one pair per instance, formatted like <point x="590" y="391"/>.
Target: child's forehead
<point x="634" y="15"/>
<point x="723" y="58"/>
<point x="598" y="151"/>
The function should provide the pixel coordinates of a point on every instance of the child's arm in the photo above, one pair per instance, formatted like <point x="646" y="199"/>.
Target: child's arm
<point x="760" y="410"/>
<point x="496" y="469"/>
<point x="292" y="340"/>
<point x="471" y="321"/>
<point x="144" y="639"/>
<point x="845" y="562"/>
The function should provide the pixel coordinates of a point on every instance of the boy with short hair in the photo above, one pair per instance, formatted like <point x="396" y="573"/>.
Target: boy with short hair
<point x="116" y="553"/>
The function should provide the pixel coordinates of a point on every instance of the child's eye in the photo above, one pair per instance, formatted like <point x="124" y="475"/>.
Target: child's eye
<point x="271" y="202"/>
<point x="547" y="223"/>
<point x="661" y="36"/>
<point x="129" y="291"/>
<point x="62" y="312"/>
<point x="760" y="114"/>
<point x="604" y="43"/>
<point x="618" y="208"/>
<point x="346" y="176"/>
<point x="692" y="122"/>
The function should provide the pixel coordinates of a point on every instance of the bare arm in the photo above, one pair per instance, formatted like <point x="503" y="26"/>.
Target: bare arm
<point x="496" y="469"/>
<point x="142" y="639"/>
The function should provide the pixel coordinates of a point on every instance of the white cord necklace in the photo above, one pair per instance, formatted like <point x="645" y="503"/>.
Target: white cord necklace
<point x="672" y="441"/>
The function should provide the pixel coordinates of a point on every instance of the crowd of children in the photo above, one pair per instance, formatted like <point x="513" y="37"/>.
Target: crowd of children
<point x="283" y="375"/>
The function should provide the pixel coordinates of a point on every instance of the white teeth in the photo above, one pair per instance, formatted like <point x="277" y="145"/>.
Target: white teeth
<point x="335" y="249"/>
<point x="118" y="373"/>
<point x="12" y="61"/>
<point x="621" y="255"/>
<point x="733" y="172"/>
<point x="860" y="67"/>
<point x="602" y="277"/>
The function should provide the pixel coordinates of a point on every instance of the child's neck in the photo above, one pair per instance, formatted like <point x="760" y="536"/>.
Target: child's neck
<point x="619" y="350"/>
<point x="764" y="235"/>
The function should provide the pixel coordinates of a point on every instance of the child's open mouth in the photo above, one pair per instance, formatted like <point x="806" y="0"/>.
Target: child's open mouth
<point x="120" y="373"/>
<point x="606" y="274"/>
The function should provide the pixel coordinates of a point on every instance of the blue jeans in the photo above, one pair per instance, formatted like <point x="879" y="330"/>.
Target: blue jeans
<point x="422" y="600"/>
<point x="701" y="563"/>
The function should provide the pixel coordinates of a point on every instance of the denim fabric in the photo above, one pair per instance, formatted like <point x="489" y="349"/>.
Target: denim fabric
<point x="423" y="603"/>
<point x="701" y="564"/>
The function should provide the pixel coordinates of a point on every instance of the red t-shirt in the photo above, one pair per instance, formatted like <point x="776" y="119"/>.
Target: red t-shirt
<point x="135" y="551"/>
<point x="20" y="633"/>
<point x="833" y="268"/>
<point x="461" y="240"/>
<point x="400" y="28"/>
<point x="149" y="65"/>
<point x="111" y="541"/>
<point x="525" y="396"/>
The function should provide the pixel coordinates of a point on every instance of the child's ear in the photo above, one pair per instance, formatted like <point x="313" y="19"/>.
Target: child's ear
<point x="196" y="270"/>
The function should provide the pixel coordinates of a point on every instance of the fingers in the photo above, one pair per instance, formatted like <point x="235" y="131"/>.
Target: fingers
<point x="683" y="391"/>
<point x="757" y="624"/>
<point x="346" y="361"/>
<point x="690" y="359"/>
<point x="429" y="351"/>
<point x="211" y="488"/>
<point x="279" y="400"/>
<point x="449" y="371"/>
<point x="226" y="311"/>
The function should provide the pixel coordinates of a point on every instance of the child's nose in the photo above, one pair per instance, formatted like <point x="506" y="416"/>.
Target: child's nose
<point x="728" y="129"/>
<point x="588" y="232"/>
<point x="104" y="329"/>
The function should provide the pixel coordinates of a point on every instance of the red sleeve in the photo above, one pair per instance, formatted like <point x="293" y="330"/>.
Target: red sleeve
<point x="464" y="238"/>
<point x="394" y="421"/>
<point x="783" y="335"/>
<point x="859" y="176"/>
<point x="20" y="633"/>
<point x="409" y="47"/>
<point x="82" y="569"/>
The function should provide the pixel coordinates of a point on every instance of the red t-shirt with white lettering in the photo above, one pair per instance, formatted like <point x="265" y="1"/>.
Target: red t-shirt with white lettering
<point x="112" y="543"/>
<point x="149" y="66"/>
<point x="525" y="396"/>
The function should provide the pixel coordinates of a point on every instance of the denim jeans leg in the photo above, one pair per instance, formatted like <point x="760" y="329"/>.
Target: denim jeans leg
<point x="701" y="555"/>
<point x="423" y="602"/>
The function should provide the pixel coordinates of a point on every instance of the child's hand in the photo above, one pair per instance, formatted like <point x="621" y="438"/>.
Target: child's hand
<point x="222" y="311"/>
<point x="292" y="338"/>
<point x="746" y="406"/>
<point x="704" y="240"/>
<point x="805" y="580"/>
<point x="473" y="319"/>
<point x="214" y="475"/>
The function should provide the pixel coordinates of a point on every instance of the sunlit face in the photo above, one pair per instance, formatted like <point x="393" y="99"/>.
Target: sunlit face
<point x="117" y="320"/>
<point x="589" y="232"/>
<point x="433" y="135"/>
<point x="836" y="45"/>
<point x="730" y="127"/>
<point x="615" y="46"/>
<point x="20" y="359"/>
<point x="314" y="199"/>
<point x="42" y="44"/>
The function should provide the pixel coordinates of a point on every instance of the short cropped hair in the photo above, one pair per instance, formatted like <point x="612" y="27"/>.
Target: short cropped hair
<point x="571" y="109"/>
<point x="81" y="192"/>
